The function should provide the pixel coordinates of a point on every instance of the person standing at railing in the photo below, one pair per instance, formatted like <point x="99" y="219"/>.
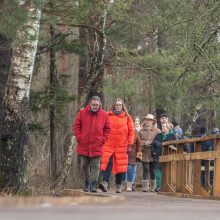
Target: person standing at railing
<point x="177" y="130"/>
<point x="156" y="149"/>
<point x="163" y="120"/>
<point x="208" y="146"/>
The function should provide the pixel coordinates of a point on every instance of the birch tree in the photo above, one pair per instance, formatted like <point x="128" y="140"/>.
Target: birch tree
<point x="16" y="96"/>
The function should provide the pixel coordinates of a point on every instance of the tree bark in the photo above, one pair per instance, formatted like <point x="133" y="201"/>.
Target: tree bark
<point x="97" y="46"/>
<point x="82" y="72"/>
<point x="58" y="186"/>
<point x="53" y="146"/>
<point x="15" y="101"/>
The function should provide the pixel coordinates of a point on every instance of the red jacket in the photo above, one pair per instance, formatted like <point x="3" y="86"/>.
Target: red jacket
<point x="122" y="134"/>
<point x="91" y="131"/>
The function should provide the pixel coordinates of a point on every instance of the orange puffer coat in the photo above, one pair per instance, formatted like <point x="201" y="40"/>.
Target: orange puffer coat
<point x="122" y="133"/>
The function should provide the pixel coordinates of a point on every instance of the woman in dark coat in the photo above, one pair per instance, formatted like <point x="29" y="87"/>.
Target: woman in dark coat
<point x="156" y="149"/>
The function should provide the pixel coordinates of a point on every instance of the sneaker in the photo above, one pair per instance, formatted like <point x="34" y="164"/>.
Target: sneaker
<point x="103" y="186"/>
<point x="118" y="188"/>
<point x="158" y="189"/>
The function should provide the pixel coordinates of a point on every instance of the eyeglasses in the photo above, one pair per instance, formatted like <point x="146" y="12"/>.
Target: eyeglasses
<point x="94" y="104"/>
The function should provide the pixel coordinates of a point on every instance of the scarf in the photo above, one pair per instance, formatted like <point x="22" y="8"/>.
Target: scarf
<point x="117" y="112"/>
<point x="166" y="135"/>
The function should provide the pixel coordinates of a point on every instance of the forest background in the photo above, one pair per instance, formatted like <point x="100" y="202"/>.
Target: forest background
<point x="157" y="55"/>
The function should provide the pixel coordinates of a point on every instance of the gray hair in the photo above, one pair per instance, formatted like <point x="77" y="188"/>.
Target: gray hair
<point x="96" y="98"/>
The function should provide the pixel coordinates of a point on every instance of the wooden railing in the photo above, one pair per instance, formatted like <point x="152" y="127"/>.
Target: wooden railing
<point x="181" y="171"/>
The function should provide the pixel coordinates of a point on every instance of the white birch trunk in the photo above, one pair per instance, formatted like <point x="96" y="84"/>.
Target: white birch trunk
<point x="22" y="63"/>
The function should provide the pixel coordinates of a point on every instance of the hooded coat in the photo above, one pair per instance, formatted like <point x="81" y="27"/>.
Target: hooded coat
<point x="121" y="135"/>
<point x="91" y="130"/>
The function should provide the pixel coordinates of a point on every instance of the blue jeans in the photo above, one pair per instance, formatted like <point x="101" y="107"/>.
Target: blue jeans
<point x="108" y="171"/>
<point x="130" y="175"/>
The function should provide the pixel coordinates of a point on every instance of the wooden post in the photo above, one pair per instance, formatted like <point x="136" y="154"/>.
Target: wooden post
<point x="197" y="171"/>
<point x="207" y="175"/>
<point x="216" y="182"/>
<point x="165" y="172"/>
<point x="180" y="171"/>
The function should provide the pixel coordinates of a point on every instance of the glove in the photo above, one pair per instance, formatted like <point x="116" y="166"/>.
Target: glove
<point x="139" y="157"/>
<point x="128" y="148"/>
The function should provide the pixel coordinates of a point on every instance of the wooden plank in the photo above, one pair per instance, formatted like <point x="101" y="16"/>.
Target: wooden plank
<point x="191" y="140"/>
<point x="207" y="175"/>
<point x="203" y="192"/>
<point x="165" y="174"/>
<point x="190" y="173"/>
<point x="180" y="172"/>
<point x="197" y="172"/>
<point x="216" y="188"/>
<point x="188" y="190"/>
<point x="165" y="177"/>
<point x="182" y="195"/>
<point x="191" y="156"/>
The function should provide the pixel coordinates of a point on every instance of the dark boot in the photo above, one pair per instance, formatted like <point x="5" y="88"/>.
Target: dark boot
<point x="86" y="186"/>
<point x="133" y="187"/>
<point x="93" y="186"/>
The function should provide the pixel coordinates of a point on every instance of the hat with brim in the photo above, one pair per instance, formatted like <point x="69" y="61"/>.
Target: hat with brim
<point x="150" y="117"/>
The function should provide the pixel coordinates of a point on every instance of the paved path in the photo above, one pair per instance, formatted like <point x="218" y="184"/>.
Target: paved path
<point x="136" y="206"/>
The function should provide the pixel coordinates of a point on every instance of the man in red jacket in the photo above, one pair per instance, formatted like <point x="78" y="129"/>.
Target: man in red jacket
<point x="91" y="129"/>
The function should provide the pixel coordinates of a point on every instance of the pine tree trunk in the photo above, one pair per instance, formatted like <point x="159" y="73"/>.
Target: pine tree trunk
<point x="82" y="72"/>
<point x="53" y="146"/>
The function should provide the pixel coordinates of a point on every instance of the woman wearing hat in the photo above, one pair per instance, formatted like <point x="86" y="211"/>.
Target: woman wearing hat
<point x="147" y="133"/>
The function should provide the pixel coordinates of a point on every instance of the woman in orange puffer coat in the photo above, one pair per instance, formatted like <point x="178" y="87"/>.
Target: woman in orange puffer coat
<point x="114" y="157"/>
